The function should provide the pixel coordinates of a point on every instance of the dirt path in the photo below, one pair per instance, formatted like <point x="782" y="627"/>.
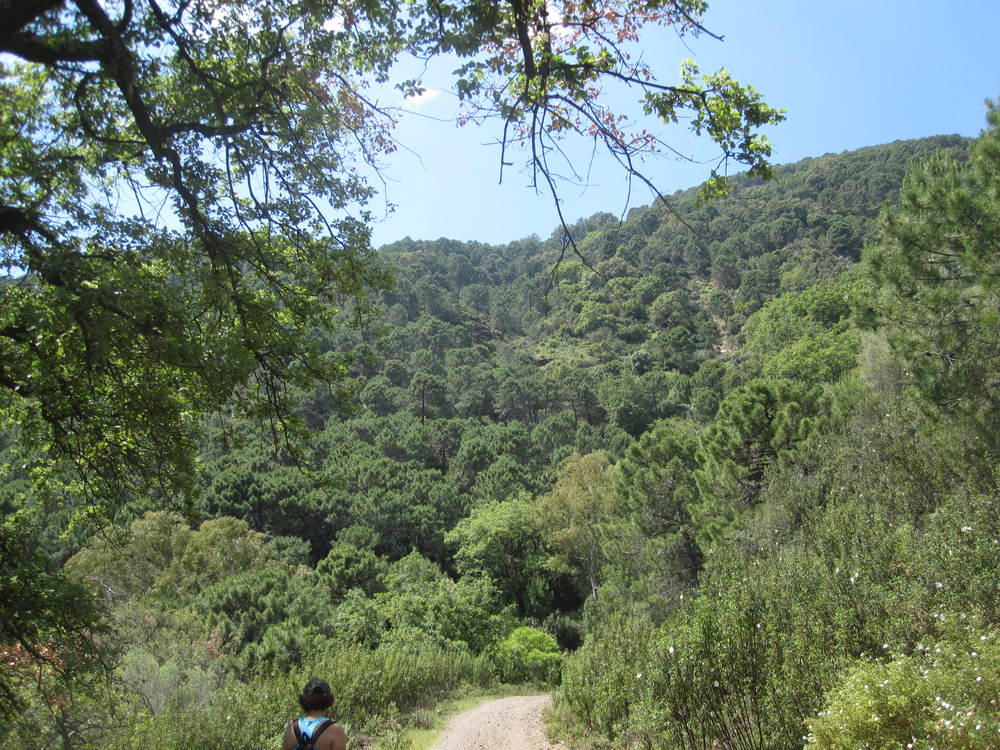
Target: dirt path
<point x="509" y="723"/>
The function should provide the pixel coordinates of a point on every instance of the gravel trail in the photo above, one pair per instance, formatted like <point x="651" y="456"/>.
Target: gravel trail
<point x="509" y="723"/>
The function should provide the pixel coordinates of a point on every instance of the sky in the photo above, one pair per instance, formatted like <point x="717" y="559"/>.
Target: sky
<point x="850" y="74"/>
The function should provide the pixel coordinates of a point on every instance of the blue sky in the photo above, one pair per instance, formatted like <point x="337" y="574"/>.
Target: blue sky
<point x="850" y="74"/>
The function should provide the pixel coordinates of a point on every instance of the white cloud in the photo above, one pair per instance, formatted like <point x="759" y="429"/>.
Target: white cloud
<point x="420" y="99"/>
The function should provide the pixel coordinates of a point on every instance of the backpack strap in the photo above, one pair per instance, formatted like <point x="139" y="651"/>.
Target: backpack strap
<point x="298" y="732"/>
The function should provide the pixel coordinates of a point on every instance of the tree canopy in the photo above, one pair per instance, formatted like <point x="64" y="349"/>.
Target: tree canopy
<point x="183" y="187"/>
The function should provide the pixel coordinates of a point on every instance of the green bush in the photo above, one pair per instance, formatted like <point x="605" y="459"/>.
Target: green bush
<point x="750" y="657"/>
<point x="723" y="674"/>
<point x="599" y="682"/>
<point x="372" y="689"/>
<point x="237" y="716"/>
<point x="942" y="695"/>
<point x="528" y="655"/>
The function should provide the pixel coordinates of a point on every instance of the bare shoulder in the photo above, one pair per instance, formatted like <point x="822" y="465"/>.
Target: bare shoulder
<point x="334" y="738"/>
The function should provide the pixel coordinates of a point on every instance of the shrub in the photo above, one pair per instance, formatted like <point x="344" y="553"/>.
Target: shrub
<point x="528" y="655"/>
<point x="599" y="683"/>
<point x="940" y="695"/>
<point x="372" y="689"/>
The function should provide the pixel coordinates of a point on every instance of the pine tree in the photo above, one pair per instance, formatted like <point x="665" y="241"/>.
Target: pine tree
<point x="938" y="271"/>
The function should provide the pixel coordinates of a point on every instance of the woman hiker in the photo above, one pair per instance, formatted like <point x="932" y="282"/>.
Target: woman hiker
<point x="314" y="729"/>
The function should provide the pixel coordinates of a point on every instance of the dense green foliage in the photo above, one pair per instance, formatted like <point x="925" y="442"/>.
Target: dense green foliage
<point x="939" y="276"/>
<point x="186" y="269"/>
<point x="848" y="593"/>
<point x="750" y="485"/>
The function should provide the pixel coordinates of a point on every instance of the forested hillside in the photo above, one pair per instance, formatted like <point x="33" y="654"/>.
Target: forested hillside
<point x="743" y="483"/>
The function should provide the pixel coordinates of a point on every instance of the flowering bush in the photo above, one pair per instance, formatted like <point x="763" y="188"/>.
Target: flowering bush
<point x="942" y="695"/>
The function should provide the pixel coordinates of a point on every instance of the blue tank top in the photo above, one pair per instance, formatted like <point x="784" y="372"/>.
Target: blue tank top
<point x="306" y="725"/>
